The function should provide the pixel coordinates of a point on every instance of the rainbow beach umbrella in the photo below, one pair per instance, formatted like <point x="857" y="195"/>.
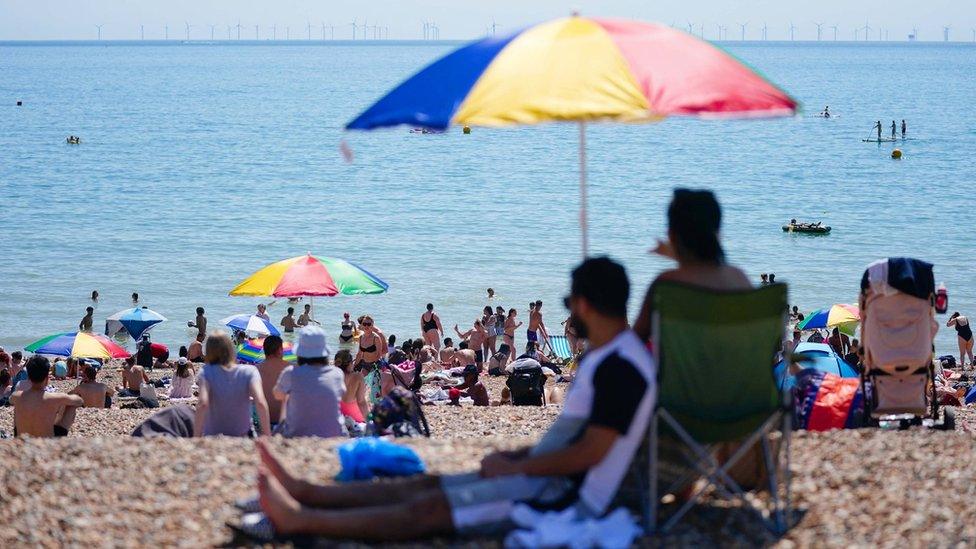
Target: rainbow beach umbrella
<point x="250" y="323"/>
<point x="77" y="344"/>
<point x="842" y="316"/>
<point x="579" y="69"/>
<point x="252" y="351"/>
<point x="310" y="276"/>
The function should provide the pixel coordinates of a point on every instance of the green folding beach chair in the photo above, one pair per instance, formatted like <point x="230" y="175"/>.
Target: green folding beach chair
<point x="715" y="355"/>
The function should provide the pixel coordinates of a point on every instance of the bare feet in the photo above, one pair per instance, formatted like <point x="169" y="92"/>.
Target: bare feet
<point x="281" y="509"/>
<point x="294" y="487"/>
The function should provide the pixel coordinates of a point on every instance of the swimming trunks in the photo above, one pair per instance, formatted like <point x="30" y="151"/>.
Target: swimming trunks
<point x="479" y="355"/>
<point x="429" y="324"/>
<point x="532" y="335"/>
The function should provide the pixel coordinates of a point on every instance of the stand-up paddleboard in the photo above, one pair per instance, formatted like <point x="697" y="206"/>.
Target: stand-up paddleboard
<point x="882" y="140"/>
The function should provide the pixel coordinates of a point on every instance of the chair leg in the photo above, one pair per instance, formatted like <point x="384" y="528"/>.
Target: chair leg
<point x="655" y="498"/>
<point x="787" y="474"/>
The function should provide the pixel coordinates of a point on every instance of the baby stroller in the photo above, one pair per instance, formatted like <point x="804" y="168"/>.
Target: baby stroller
<point x="898" y="330"/>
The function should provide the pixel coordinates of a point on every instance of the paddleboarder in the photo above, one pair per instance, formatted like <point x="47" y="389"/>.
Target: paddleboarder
<point x="878" y="127"/>
<point x="904" y="128"/>
<point x="894" y="128"/>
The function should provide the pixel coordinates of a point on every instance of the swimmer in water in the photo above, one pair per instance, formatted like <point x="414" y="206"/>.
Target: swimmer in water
<point x="826" y="112"/>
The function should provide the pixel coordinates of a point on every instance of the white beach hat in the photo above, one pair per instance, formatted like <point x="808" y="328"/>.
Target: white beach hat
<point x="312" y="343"/>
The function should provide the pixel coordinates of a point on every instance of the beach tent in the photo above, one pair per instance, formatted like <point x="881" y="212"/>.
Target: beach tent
<point x="819" y="356"/>
<point x="578" y="69"/>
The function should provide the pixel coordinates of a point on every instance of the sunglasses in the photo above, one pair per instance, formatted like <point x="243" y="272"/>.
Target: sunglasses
<point x="367" y="323"/>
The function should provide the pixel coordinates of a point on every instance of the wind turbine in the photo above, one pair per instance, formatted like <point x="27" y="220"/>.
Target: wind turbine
<point x="856" y="34"/>
<point x="914" y="36"/>
<point x="354" y="27"/>
<point x="99" y="27"/>
<point x="166" y="32"/>
<point x="819" y="30"/>
<point x="835" y="32"/>
<point x="142" y="32"/>
<point x="765" y="32"/>
<point x="238" y="29"/>
<point x="701" y="29"/>
<point x="792" y="31"/>
<point x="974" y="34"/>
<point x="365" y="29"/>
<point x="945" y="33"/>
<point x="426" y="29"/>
<point x="743" y="35"/>
<point x="274" y="32"/>
<point x="228" y="32"/>
<point x="323" y="31"/>
<point x="212" y="29"/>
<point x="866" y="30"/>
<point x="494" y="26"/>
<point x="188" y="25"/>
<point x="720" y="27"/>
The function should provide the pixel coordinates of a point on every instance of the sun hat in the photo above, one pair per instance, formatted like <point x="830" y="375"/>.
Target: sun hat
<point x="312" y="343"/>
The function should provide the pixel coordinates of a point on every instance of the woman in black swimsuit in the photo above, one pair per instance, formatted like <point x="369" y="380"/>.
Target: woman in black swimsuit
<point x="430" y="326"/>
<point x="372" y="347"/>
<point x="348" y="329"/>
<point x="964" y="332"/>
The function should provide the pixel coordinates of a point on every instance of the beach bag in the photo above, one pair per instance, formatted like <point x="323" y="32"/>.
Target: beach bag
<point x="399" y="413"/>
<point x="147" y="394"/>
<point x="527" y="384"/>
<point x="371" y="457"/>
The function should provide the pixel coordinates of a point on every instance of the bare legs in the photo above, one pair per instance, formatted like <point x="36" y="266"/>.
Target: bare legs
<point x="67" y="417"/>
<point x="373" y="511"/>
<point x="510" y="340"/>
<point x="965" y="349"/>
<point x="431" y="337"/>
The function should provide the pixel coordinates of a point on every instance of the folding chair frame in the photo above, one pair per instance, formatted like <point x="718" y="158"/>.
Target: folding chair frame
<point x="776" y="516"/>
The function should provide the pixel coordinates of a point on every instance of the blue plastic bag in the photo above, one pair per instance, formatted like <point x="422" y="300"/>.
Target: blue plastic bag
<point x="370" y="457"/>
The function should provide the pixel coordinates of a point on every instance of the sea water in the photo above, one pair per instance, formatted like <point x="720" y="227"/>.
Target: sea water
<point x="201" y="163"/>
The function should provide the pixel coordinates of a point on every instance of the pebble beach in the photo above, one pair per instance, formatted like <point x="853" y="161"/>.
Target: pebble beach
<point x="99" y="486"/>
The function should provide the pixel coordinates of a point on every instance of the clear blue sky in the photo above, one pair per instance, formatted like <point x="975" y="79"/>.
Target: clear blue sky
<point x="464" y="19"/>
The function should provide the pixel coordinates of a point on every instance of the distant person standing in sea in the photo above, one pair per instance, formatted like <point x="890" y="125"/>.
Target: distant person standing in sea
<point x="964" y="334"/>
<point x="86" y="321"/>
<point x="305" y="318"/>
<point x="491" y="293"/>
<point x="764" y="279"/>
<point x="200" y="323"/>
<point x="135" y="297"/>
<point x="288" y="321"/>
<point x="263" y="312"/>
<point x="430" y="326"/>
<point x="94" y="296"/>
<point x="488" y="321"/>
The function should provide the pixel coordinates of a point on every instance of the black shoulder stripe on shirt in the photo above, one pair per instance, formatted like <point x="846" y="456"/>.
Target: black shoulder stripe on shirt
<point x="617" y="392"/>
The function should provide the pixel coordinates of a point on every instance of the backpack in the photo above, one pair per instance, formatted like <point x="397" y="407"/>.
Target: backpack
<point x="527" y="383"/>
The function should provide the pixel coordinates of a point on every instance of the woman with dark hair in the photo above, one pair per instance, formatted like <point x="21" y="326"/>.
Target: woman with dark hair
<point x="964" y="333"/>
<point x="353" y="403"/>
<point x="694" y="220"/>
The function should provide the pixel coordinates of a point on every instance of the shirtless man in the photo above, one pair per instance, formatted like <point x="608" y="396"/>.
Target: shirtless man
<point x="473" y="387"/>
<point x="95" y="394"/>
<point x="195" y="352"/>
<point x="86" y="321"/>
<point x="200" y="323"/>
<point x="537" y="327"/>
<point x="262" y="312"/>
<point x="464" y="356"/>
<point x="446" y="354"/>
<point x="288" y="323"/>
<point x="41" y="414"/>
<point x="270" y="369"/>
<point x="133" y="376"/>
<point x="305" y="318"/>
<point x="476" y="338"/>
<point x="430" y="326"/>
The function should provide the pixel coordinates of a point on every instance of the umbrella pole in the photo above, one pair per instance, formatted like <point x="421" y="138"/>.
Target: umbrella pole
<point x="584" y="229"/>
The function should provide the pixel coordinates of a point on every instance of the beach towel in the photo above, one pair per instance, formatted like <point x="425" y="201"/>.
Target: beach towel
<point x="827" y="401"/>
<point x="569" y="528"/>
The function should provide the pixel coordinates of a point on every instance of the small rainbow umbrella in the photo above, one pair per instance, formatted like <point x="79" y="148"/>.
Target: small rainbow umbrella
<point x="842" y="316"/>
<point x="579" y="69"/>
<point x="250" y="323"/>
<point x="252" y="351"/>
<point x="77" y="344"/>
<point x="310" y="276"/>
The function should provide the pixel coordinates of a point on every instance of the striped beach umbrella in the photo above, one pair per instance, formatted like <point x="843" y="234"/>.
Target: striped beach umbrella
<point x="136" y="321"/>
<point x="310" y="276"/>
<point x="579" y="69"/>
<point x="250" y="323"/>
<point x="79" y="345"/>
<point x="842" y="316"/>
<point x="252" y="351"/>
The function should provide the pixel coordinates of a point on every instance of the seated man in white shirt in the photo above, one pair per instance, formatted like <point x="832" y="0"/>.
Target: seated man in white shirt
<point x="580" y="461"/>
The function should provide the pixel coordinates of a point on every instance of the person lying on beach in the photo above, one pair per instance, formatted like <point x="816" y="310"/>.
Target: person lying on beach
<point x="579" y="463"/>
<point x="270" y="369"/>
<point x="41" y="414"/>
<point x="694" y="219"/>
<point x="95" y="394"/>
<point x="473" y="387"/>
<point x="133" y="376"/>
<point x="312" y="390"/>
